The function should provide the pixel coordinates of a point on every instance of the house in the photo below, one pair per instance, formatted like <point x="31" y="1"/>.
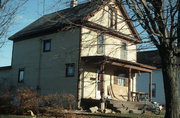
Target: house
<point x="157" y="81"/>
<point x="88" y="50"/>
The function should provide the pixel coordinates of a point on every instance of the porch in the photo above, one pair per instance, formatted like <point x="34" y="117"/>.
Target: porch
<point x="105" y="66"/>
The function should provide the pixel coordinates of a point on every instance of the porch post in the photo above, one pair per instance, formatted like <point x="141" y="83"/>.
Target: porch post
<point x="102" y="87"/>
<point x="129" y="85"/>
<point x="150" y="86"/>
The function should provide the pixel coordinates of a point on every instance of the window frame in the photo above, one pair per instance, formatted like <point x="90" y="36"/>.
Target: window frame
<point x="154" y="90"/>
<point x="113" y="17"/>
<point x="44" y="45"/>
<point x="123" y="52"/>
<point x="100" y="44"/>
<point x="19" y="75"/>
<point x="68" y="65"/>
<point x="121" y="80"/>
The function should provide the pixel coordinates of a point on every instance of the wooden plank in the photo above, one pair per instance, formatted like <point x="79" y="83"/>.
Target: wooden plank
<point x="130" y="66"/>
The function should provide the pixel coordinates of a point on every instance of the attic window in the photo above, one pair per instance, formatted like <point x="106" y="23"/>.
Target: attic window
<point x="113" y="17"/>
<point x="47" y="45"/>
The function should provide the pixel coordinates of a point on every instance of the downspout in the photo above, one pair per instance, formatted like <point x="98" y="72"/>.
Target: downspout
<point x="38" y="88"/>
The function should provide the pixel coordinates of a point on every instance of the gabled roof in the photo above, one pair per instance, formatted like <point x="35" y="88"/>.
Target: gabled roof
<point x="151" y="58"/>
<point x="74" y="16"/>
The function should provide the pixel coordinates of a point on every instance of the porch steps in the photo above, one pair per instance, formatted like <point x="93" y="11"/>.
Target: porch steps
<point x="125" y="106"/>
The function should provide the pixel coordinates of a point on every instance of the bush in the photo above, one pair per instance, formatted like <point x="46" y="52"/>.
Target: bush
<point x="67" y="101"/>
<point x="22" y="100"/>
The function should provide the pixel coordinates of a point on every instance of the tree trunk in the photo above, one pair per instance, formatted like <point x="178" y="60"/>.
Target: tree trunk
<point x="170" y="76"/>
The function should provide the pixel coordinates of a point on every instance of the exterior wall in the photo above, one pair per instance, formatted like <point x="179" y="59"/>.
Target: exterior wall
<point x="46" y="70"/>
<point x="111" y="90"/>
<point x="5" y="80"/>
<point x="112" y="46"/>
<point x="90" y="79"/>
<point x="157" y="78"/>
<point x="179" y="84"/>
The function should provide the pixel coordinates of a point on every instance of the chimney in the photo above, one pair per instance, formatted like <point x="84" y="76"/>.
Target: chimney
<point x="73" y="3"/>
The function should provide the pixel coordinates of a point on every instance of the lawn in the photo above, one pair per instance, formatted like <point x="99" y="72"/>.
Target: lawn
<point x="14" y="116"/>
<point x="96" y="116"/>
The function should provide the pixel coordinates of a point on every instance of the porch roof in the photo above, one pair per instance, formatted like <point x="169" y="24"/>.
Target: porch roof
<point x="118" y="62"/>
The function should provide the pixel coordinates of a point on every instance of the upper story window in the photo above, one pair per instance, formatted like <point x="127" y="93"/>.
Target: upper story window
<point x="70" y="70"/>
<point x="21" y="75"/>
<point x="46" y="45"/>
<point x="113" y="17"/>
<point x="124" y="50"/>
<point x="100" y="44"/>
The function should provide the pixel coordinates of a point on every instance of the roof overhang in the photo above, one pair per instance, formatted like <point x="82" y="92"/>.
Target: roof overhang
<point x="5" y="68"/>
<point x="137" y="67"/>
<point x="110" y="31"/>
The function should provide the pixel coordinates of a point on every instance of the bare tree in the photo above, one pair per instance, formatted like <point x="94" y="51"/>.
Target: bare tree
<point x="161" y="20"/>
<point x="8" y="10"/>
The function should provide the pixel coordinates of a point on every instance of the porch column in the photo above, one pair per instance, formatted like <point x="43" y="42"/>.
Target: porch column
<point x="129" y="85"/>
<point x="150" y="86"/>
<point x="102" y="88"/>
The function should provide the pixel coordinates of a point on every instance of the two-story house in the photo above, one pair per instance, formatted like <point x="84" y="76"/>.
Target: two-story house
<point x="88" y="50"/>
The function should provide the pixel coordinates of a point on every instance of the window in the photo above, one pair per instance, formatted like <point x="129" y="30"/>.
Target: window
<point x="120" y="80"/>
<point x="70" y="70"/>
<point x="113" y="17"/>
<point x="21" y="76"/>
<point x="154" y="90"/>
<point x="47" y="45"/>
<point x="100" y="44"/>
<point x="123" y="50"/>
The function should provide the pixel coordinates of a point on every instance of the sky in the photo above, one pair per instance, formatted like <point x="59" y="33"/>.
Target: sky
<point x="27" y="14"/>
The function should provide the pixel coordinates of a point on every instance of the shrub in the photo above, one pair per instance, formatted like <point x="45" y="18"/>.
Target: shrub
<point x="22" y="100"/>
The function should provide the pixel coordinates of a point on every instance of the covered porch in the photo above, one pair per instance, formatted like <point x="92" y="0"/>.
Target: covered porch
<point x="120" y="89"/>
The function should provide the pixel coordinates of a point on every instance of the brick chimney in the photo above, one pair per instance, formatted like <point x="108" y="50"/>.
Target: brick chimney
<point x="73" y="3"/>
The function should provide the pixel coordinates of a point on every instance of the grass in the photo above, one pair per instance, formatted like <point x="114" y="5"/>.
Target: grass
<point x="125" y="116"/>
<point x="14" y="116"/>
<point x="98" y="116"/>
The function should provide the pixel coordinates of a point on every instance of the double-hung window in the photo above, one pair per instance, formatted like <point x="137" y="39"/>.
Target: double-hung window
<point x="70" y="70"/>
<point x="21" y="75"/>
<point x="46" y="45"/>
<point x="100" y="44"/>
<point x="124" y="50"/>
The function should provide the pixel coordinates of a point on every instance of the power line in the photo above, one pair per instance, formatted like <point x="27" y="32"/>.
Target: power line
<point x="44" y="6"/>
